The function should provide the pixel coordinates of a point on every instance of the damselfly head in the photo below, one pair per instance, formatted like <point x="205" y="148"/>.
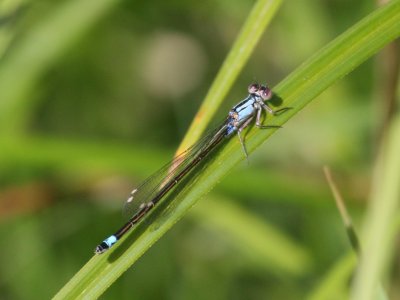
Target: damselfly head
<point x="253" y="88"/>
<point x="264" y="92"/>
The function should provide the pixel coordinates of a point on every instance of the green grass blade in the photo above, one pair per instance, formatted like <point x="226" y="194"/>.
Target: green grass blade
<point x="381" y="216"/>
<point x="329" y="65"/>
<point x="7" y="8"/>
<point x="336" y="281"/>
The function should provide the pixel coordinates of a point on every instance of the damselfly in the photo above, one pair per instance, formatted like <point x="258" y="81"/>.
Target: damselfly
<point x="152" y="190"/>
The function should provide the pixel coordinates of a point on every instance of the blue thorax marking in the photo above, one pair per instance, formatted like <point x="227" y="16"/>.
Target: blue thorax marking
<point x="245" y="108"/>
<point x="240" y="113"/>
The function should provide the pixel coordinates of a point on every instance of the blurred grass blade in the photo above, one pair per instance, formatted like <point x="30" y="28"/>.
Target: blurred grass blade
<point x="9" y="10"/>
<point x="327" y="66"/>
<point x="262" y="244"/>
<point x="339" y="276"/>
<point x="335" y="284"/>
<point x="40" y="47"/>
<point x="381" y="215"/>
<point x="347" y="222"/>
<point x="251" y="32"/>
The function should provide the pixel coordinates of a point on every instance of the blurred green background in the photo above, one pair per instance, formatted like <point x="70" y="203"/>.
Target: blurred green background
<point x="96" y="95"/>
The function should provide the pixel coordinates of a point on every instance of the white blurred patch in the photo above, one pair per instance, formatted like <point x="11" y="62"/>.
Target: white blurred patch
<point x="174" y="64"/>
<point x="110" y="191"/>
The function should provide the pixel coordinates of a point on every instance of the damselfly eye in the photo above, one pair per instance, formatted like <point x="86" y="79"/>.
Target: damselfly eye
<point x="265" y="93"/>
<point x="253" y="88"/>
